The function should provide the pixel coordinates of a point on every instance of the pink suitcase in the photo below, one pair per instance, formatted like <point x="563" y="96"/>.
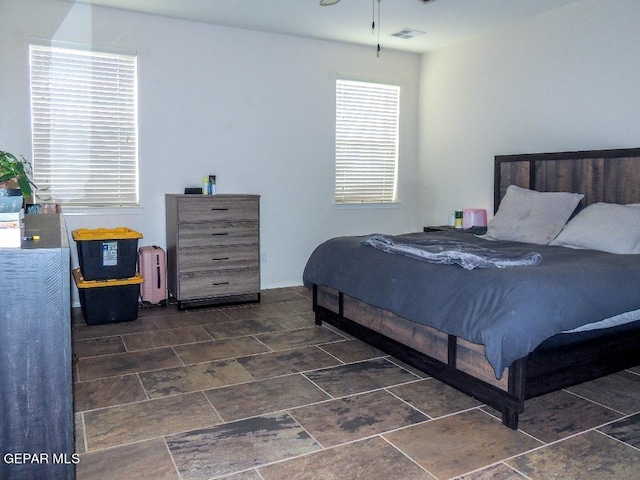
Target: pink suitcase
<point x="152" y="266"/>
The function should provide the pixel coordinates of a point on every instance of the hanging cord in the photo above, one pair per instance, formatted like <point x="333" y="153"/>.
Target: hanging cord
<point x="373" y="22"/>
<point x="378" y="50"/>
<point x="373" y="16"/>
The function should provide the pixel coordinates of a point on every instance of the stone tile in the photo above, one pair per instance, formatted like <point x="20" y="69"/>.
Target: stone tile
<point x="406" y="366"/>
<point x="192" y="378"/>
<point x="265" y="396"/>
<point x="93" y="347"/>
<point x="299" y="338"/>
<point x="298" y="306"/>
<point x="495" y="472"/>
<point x="328" y="326"/>
<point x="620" y="391"/>
<point x="238" y="328"/>
<point x="359" y="377"/>
<point x="192" y="318"/>
<point x="289" y="361"/>
<point x="153" y="311"/>
<point x="287" y="294"/>
<point x="84" y="331"/>
<point x="78" y="422"/>
<point x="106" y="392"/>
<point x="352" y="418"/>
<point x="626" y="430"/>
<point x="165" y="338"/>
<point x="149" y="460"/>
<point x="231" y="447"/>
<point x="602" y="457"/>
<point x="124" y="363"/>
<point x="461" y="443"/>
<point x="246" y="475"/>
<point x="352" y="351"/>
<point x="262" y="310"/>
<point x="219" y="349"/>
<point x="434" y="398"/>
<point x="122" y="424"/>
<point x="559" y="415"/>
<point x="371" y="459"/>
<point x="290" y="322"/>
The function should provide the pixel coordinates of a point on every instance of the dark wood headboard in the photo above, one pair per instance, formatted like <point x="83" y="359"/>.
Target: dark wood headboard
<point x="611" y="176"/>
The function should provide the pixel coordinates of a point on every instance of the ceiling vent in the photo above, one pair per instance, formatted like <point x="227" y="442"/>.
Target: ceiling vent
<point x="408" y="32"/>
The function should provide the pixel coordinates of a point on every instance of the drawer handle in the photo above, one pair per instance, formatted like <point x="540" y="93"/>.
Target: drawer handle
<point x="220" y="259"/>
<point x="219" y="209"/>
<point x="220" y="234"/>
<point x="220" y="283"/>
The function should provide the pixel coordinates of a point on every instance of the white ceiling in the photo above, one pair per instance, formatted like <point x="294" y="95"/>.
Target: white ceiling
<point x="443" y="21"/>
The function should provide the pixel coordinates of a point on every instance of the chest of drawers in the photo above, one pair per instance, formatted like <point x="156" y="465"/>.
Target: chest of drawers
<point x="213" y="248"/>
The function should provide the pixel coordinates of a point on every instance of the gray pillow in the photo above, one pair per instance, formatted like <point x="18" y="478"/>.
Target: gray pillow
<point x="531" y="217"/>
<point x="608" y="227"/>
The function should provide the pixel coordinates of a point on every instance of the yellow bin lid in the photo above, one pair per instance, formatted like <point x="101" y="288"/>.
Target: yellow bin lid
<point x="82" y="283"/>
<point x="120" y="233"/>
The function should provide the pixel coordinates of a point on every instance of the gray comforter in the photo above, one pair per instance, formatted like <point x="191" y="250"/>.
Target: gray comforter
<point x="509" y="310"/>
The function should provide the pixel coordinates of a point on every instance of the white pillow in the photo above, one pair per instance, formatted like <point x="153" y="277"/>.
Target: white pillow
<point x="531" y="217"/>
<point x="608" y="227"/>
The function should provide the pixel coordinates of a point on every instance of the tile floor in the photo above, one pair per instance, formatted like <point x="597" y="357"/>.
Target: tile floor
<point x="259" y="392"/>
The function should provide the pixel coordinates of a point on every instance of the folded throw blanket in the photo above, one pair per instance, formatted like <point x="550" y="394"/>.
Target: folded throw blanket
<point x="467" y="255"/>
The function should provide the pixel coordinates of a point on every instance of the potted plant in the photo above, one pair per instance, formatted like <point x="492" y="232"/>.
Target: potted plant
<point x="15" y="182"/>
<point x="16" y="171"/>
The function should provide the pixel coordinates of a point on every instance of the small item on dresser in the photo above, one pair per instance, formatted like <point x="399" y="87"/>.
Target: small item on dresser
<point x="458" y="220"/>
<point x="205" y="185"/>
<point x="452" y="220"/>
<point x="474" y="217"/>
<point x="212" y="184"/>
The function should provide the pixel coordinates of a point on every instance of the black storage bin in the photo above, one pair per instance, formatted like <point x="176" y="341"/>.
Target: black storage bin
<point x="108" y="301"/>
<point x="105" y="254"/>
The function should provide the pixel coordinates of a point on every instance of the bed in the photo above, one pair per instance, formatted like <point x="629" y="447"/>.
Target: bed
<point x="504" y="335"/>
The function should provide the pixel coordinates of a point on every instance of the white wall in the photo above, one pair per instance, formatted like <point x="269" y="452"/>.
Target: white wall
<point x="255" y="109"/>
<point x="565" y="80"/>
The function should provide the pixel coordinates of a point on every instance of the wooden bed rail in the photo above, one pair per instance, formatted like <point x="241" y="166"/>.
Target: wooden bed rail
<point x="510" y="402"/>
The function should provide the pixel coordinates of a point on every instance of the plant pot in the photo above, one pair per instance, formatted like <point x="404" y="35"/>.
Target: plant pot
<point x="11" y="200"/>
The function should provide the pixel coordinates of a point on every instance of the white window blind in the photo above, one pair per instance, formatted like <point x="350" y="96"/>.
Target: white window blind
<point x="367" y="117"/>
<point x="84" y="126"/>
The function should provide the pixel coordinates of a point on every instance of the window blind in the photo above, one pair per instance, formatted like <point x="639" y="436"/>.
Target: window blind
<point x="367" y="118"/>
<point x="84" y="126"/>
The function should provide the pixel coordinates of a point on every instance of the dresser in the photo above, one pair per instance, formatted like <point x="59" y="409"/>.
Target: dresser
<point x="36" y="390"/>
<point x="213" y="248"/>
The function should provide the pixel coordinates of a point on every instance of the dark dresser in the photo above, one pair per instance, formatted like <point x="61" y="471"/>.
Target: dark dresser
<point x="36" y="390"/>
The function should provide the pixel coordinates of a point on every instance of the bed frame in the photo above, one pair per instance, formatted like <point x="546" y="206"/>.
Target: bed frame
<point x="611" y="176"/>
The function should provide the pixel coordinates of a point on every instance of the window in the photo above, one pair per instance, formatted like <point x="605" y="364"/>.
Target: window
<point x="84" y="126"/>
<point x="367" y="117"/>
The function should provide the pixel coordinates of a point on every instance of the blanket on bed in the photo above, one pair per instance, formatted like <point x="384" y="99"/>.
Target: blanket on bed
<point x="450" y="252"/>
<point x="509" y="310"/>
